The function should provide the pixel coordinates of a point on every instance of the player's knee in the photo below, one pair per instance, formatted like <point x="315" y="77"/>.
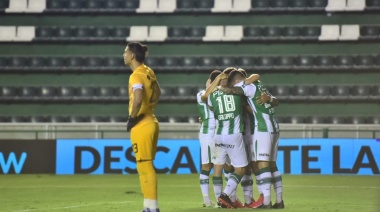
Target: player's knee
<point x="240" y="171"/>
<point x="228" y="168"/>
<point x="145" y="166"/>
<point x="255" y="167"/>
<point x="263" y="164"/>
<point x="207" y="167"/>
<point x="272" y="164"/>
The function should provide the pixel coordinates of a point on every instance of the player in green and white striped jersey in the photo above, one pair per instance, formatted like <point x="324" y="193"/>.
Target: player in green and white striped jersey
<point x="249" y="120"/>
<point x="228" y="140"/>
<point x="206" y="138"/>
<point x="265" y="137"/>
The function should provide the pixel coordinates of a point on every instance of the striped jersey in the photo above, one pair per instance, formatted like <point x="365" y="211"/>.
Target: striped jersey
<point x="265" y="120"/>
<point x="228" y="112"/>
<point x="207" y="116"/>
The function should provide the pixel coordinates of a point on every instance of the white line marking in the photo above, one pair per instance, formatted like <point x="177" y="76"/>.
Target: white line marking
<point x="181" y="186"/>
<point x="72" y="206"/>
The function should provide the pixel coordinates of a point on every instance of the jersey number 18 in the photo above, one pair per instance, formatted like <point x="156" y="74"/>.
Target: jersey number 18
<point x="228" y="102"/>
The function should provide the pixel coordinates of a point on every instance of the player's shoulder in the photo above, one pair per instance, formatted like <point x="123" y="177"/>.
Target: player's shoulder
<point x="245" y="86"/>
<point x="258" y="82"/>
<point x="146" y="67"/>
<point x="143" y="74"/>
<point x="136" y="75"/>
<point x="199" y="96"/>
<point x="149" y="72"/>
<point x="201" y="92"/>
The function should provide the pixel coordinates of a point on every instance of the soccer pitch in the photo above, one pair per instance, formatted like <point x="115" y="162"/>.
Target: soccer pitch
<point x="177" y="193"/>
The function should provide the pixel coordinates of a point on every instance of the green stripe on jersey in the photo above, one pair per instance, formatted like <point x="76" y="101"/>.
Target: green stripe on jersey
<point x="231" y="127"/>
<point x="264" y="114"/>
<point x="228" y="111"/>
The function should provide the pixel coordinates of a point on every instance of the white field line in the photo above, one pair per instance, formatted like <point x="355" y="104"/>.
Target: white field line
<point x="177" y="186"/>
<point x="71" y="206"/>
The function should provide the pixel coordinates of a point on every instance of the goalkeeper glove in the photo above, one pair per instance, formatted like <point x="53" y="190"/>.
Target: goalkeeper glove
<point x="133" y="121"/>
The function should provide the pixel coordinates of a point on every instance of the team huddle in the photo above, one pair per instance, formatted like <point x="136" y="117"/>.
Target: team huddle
<point x="239" y="134"/>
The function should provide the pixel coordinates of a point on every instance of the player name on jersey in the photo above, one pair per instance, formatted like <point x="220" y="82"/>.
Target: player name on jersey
<point x="226" y="116"/>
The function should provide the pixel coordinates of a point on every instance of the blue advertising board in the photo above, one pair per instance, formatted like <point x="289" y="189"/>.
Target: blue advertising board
<point x="329" y="156"/>
<point x="295" y="156"/>
<point x="106" y="156"/>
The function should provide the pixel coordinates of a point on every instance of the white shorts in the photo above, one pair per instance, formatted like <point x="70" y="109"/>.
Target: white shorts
<point x="231" y="146"/>
<point x="228" y="161"/>
<point x="207" y="147"/>
<point x="265" y="146"/>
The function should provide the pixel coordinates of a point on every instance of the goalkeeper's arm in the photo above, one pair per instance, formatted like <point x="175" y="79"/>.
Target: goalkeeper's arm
<point x="134" y="118"/>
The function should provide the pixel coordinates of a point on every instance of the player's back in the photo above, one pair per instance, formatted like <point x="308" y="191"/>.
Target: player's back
<point x="264" y="114"/>
<point x="145" y="76"/>
<point x="228" y="112"/>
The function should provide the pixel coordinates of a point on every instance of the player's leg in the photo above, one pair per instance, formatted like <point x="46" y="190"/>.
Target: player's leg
<point x="277" y="185"/>
<point x="207" y="149"/>
<point x="217" y="180"/>
<point x="262" y="143"/>
<point x="265" y="181"/>
<point x="148" y="183"/>
<point x="276" y="175"/>
<point x="144" y="140"/>
<point x="239" y="161"/>
<point x="255" y="167"/>
<point x="246" y="181"/>
<point x="238" y="158"/>
<point x="228" y="170"/>
<point x="219" y="161"/>
<point x="204" y="179"/>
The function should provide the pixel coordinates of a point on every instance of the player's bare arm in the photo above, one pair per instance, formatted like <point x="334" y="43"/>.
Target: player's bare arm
<point x="231" y="90"/>
<point x="249" y="109"/>
<point x="251" y="79"/>
<point x="213" y="86"/>
<point x="265" y="98"/>
<point x="137" y="102"/>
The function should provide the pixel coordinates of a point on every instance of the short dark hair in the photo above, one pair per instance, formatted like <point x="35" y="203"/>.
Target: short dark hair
<point x="228" y="70"/>
<point x="213" y="75"/>
<point x="139" y="50"/>
<point x="232" y="75"/>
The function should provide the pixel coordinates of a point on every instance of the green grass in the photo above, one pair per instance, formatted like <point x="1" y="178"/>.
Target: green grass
<point x="176" y="193"/>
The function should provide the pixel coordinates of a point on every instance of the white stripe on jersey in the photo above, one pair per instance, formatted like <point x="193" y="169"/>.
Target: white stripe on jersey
<point x="209" y="114"/>
<point x="226" y="126"/>
<point x="249" y="92"/>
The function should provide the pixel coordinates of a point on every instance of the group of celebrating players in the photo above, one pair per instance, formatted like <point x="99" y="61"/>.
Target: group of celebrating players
<point x="239" y="134"/>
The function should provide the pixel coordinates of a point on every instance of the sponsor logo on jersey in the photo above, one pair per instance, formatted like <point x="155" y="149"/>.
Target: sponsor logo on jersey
<point x="264" y="154"/>
<point x="225" y="145"/>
